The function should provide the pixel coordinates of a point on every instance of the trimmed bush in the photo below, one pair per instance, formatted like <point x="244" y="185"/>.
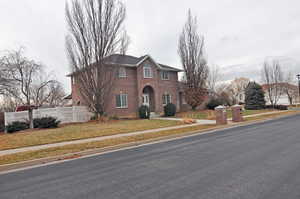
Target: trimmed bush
<point x="213" y="103"/>
<point x="17" y="126"/>
<point x="144" y="112"/>
<point x="278" y="107"/>
<point x="46" y="122"/>
<point x="170" y="110"/>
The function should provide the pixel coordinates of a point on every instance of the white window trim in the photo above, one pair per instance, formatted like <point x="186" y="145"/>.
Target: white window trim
<point x="122" y="75"/>
<point x="162" y="75"/>
<point x="170" y="98"/>
<point x="150" y="69"/>
<point x="122" y="107"/>
<point x="73" y="80"/>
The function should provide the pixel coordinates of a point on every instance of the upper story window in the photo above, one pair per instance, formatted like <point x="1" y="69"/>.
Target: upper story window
<point x="165" y="75"/>
<point x="122" y="72"/>
<point x="147" y="71"/>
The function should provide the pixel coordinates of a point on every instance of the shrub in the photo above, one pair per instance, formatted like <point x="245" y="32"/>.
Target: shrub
<point x="16" y="126"/>
<point x="255" y="97"/>
<point x="46" y="122"/>
<point x="144" y="112"/>
<point x="213" y="103"/>
<point x="278" y="107"/>
<point x="2" y="128"/>
<point x="93" y="118"/>
<point x="170" y="110"/>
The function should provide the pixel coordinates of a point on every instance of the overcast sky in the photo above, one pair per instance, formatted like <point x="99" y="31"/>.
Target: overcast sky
<point x="239" y="34"/>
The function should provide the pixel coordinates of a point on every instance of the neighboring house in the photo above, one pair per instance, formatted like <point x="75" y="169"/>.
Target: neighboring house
<point x="286" y="93"/>
<point x="140" y="81"/>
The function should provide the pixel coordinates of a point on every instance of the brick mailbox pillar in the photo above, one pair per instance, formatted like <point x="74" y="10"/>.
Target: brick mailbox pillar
<point x="221" y="115"/>
<point x="237" y="115"/>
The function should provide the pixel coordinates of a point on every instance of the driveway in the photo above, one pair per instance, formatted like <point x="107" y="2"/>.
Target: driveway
<point x="252" y="162"/>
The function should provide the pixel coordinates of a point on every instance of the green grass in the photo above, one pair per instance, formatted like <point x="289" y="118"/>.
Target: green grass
<point x="79" y="131"/>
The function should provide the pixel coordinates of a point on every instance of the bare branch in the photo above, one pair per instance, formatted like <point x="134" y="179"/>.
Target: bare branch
<point x="95" y="32"/>
<point x="191" y="52"/>
<point x="272" y="76"/>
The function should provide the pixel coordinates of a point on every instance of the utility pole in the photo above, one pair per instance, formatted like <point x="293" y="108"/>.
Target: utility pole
<point x="298" y="76"/>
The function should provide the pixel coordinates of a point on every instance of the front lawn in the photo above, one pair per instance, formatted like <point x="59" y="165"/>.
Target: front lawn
<point x="210" y="114"/>
<point x="79" y="131"/>
<point x="73" y="148"/>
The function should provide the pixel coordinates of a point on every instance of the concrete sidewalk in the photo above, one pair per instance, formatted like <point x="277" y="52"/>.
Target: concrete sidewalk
<point x="200" y="122"/>
<point x="46" y="146"/>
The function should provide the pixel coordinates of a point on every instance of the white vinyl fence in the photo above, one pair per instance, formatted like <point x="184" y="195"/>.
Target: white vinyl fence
<point x="64" y="114"/>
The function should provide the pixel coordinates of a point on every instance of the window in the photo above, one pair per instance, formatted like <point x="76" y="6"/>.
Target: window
<point x="122" y="72"/>
<point x="147" y="71"/>
<point x="166" y="99"/>
<point x="164" y="75"/>
<point x="121" y="101"/>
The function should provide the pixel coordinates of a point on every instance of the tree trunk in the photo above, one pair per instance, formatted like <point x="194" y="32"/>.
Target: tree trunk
<point x="30" y="116"/>
<point x="290" y="100"/>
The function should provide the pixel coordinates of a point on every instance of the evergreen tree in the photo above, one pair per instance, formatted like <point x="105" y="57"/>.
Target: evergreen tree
<point x="254" y="97"/>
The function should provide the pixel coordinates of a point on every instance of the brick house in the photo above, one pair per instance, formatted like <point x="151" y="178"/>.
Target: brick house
<point x="139" y="81"/>
<point x="283" y="98"/>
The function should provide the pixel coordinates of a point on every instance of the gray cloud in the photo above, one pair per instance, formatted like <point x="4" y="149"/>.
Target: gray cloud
<point x="241" y="32"/>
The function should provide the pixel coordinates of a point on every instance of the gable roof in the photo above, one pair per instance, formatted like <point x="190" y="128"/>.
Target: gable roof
<point x="280" y="84"/>
<point x="131" y="61"/>
<point x="127" y="60"/>
<point x="122" y="59"/>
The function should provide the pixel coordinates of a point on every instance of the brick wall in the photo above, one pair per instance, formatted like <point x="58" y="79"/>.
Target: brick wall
<point x="133" y="85"/>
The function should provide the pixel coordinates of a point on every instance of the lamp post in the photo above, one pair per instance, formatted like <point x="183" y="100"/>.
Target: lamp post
<point x="298" y="76"/>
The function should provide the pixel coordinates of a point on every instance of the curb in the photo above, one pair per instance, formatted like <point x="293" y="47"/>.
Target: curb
<point x="8" y="168"/>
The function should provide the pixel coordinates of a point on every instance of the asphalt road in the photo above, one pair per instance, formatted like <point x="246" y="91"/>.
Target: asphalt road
<point x="257" y="161"/>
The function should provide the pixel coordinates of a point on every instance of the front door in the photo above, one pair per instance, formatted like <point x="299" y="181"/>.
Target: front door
<point x="146" y="100"/>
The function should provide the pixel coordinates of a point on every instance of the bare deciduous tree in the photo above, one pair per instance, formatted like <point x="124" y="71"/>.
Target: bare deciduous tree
<point x="8" y="104"/>
<point x="236" y="89"/>
<point x="125" y="42"/>
<point x="57" y="94"/>
<point x="213" y="77"/>
<point x="289" y="89"/>
<point x="39" y="90"/>
<point x="22" y="73"/>
<point x="191" y="52"/>
<point x="272" y="76"/>
<point x="47" y="92"/>
<point x="5" y="81"/>
<point x="95" y="31"/>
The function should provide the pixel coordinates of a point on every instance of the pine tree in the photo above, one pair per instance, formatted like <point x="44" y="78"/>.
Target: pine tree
<point x="254" y="97"/>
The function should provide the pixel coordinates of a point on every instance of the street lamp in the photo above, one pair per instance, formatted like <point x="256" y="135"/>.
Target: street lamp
<point x="298" y="76"/>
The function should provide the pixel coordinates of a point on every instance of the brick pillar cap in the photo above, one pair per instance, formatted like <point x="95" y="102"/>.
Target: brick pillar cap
<point x="237" y="105"/>
<point x="220" y="107"/>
